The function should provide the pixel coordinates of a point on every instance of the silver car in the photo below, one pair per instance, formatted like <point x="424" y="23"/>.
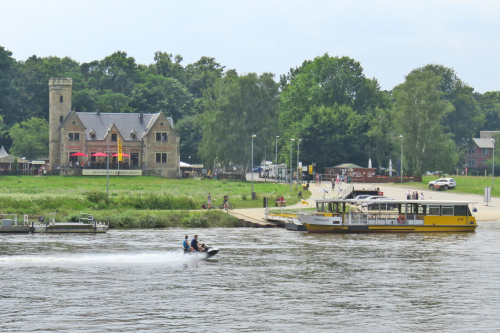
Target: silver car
<point x="443" y="183"/>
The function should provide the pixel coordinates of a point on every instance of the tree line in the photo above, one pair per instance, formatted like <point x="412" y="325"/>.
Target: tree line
<point x="339" y="114"/>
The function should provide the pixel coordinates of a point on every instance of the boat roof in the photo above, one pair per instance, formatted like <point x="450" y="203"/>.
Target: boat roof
<point x="422" y="202"/>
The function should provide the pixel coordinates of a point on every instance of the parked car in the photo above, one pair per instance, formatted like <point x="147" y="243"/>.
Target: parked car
<point x="443" y="183"/>
<point x="372" y="204"/>
<point x="362" y="196"/>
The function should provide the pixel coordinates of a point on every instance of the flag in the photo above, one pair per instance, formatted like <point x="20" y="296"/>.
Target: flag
<point x="120" y="151"/>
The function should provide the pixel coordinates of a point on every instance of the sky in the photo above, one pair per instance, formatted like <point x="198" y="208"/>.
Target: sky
<point x="389" y="38"/>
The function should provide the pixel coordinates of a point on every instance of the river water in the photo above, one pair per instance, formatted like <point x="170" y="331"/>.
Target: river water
<point x="262" y="280"/>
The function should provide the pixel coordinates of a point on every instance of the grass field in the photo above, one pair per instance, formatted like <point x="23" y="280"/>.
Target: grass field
<point x="465" y="184"/>
<point x="68" y="195"/>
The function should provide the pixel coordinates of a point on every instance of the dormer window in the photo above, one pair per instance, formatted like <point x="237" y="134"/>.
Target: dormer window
<point x="92" y="133"/>
<point x="114" y="137"/>
<point x="133" y="134"/>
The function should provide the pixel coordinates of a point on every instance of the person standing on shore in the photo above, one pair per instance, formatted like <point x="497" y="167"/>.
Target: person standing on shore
<point x="209" y="200"/>
<point x="421" y="195"/>
<point x="408" y="195"/>
<point x="416" y="195"/>
<point x="333" y="183"/>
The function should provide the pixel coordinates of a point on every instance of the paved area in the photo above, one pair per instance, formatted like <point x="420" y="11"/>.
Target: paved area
<point x="490" y="212"/>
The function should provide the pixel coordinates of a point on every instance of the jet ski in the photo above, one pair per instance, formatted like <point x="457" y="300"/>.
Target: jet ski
<point x="208" y="250"/>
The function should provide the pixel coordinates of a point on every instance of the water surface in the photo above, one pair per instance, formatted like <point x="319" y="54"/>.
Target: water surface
<point x="262" y="280"/>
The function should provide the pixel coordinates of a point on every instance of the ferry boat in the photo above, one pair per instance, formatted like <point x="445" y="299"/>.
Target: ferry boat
<point x="400" y="216"/>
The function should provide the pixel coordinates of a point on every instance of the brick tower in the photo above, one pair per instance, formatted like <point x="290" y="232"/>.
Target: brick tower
<point x="59" y="108"/>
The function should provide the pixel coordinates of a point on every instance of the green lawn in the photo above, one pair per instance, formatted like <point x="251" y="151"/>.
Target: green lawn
<point x="67" y="195"/>
<point x="465" y="184"/>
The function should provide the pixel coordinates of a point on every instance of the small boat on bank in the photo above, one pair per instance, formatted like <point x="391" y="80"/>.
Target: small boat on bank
<point x="86" y="224"/>
<point x="9" y="224"/>
<point x="399" y="216"/>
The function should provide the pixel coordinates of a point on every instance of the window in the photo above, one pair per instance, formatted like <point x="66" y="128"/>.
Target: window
<point x="471" y="151"/>
<point x="134" y="136"/>
<point x="161" y="157"/>
<point x="161" y="136"/>
<point x="462" y="211"/>
<point x="113" y="137"/>
<point x="60" y="99"/>
<point x="447" y="211"/>
<point x="61" y="119"/>
<point x="92" y="135"/>
<point x="485" y="151"/>
<point x="74" y="136"/>
<point x="470" y="162"/>
<point x="433" y="210"/>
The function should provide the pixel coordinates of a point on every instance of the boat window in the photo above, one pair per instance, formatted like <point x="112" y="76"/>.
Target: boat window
<point x="461" y="211"/>
<point x="421" y="209"/>
<point x="433" y="210"/>
<point x="447" y="211"/>
<point x="321" y="207"/>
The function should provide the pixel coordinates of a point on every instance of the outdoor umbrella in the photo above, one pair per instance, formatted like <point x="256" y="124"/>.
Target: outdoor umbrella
<point x="100" y="154"/>
<point x="79" y="154"/>
<point x="123" y="154"/>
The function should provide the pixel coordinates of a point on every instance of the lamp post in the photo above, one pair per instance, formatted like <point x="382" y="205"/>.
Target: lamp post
<point x="401" y="136"/>
<point x="298" y="171"/>
<point x="265" y="163"/>
<point x="253" y="136"/>
<point x="493" y="167"/>
<point x="276" y="165"/>
<point x="107" y="172"/>
<point x="291" y="169"/>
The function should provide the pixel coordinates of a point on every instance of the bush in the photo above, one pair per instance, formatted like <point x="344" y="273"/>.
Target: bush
<point x="96" y="196"/>
<point x="195" y="221"/>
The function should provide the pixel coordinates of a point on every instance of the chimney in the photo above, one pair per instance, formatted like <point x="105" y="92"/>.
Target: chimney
<point x="141" y="117"/>
<point x="98" y="112"/>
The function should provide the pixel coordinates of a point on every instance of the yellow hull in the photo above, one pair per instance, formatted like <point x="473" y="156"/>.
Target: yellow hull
<point x="342" y="229"/>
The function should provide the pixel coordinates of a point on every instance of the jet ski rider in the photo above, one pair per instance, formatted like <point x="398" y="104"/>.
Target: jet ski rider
<point x="194" y="244"/>
<point x="185" y="245"/>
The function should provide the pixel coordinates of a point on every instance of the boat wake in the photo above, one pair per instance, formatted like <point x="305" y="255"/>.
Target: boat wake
<point x="164" y="258"/>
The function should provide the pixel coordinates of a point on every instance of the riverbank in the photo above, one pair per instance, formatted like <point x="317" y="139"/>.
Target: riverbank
<point x="66" y="196"/>
<point x="465" y="184"/>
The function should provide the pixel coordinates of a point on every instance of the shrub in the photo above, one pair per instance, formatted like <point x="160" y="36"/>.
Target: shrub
<point x="96" y="196"/>
<point x="195" y="221"/>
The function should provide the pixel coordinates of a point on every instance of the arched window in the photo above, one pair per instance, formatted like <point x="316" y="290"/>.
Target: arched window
<point x="60" y="99"/>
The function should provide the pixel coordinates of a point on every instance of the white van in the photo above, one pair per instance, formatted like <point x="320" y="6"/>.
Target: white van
<point x="277" y="170"/>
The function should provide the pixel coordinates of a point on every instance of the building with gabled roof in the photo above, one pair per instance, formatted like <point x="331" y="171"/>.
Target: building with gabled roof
<point x="149" y="138"/>
<point x="479" y="150"/>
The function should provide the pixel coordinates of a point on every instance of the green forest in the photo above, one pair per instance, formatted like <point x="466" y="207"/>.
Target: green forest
<point x="340" y="115"/>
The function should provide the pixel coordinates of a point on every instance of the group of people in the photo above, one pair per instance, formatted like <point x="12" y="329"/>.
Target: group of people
<point x="194" y="246"/>
<point x="209" y="201"/>
<point x="414" y="195"/>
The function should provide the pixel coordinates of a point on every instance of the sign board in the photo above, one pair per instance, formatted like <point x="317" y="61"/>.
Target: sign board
<point x="310" y="169"/>
<point x="197" y="166"/>
<point x="104" y="172"/>
<point x="487" y="195"/>
<point x="120" y="151"/>
<point x="300" y="164"/>
<point x="37" y="162"/>
<point x="304" y="168"/>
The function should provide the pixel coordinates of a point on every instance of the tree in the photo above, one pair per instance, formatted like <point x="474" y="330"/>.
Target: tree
<point x="419" y="111"/>
<point x="202" y="75"/>
<point x="30" y="138"/>
<point x="112" y="102"/>
<point x="190" y="136"/>
<point x="489" y="102"/>
<point x="338" y="129"/>
<point x="168" y="68"/>
<point x="161" y="94"/>
<point x="466" y="119"/>
<point x="381" y="143"/>
<point x="85" y="100"/>
<point x="9" y="94"/>
<point x="329" y="82"/>
<point x="236" y="108"/>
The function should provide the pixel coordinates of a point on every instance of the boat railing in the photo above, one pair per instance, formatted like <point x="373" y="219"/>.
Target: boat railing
<point x="13" y="218"/>
<point x="86" y="218"/>
<point x="383" y="218"/>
